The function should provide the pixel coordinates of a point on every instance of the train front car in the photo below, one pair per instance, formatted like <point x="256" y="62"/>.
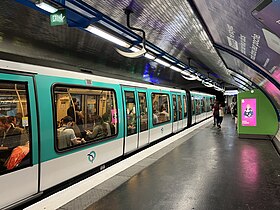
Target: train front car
<point x="68" y="123"/>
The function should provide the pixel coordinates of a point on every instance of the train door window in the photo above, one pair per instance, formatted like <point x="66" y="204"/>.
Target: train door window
<point x="180" y="107"/>
<point x="202" y="105"/>
<point x="175" y="109"/>
<point x="185" y="107"/>
<point x="143" y="111"/>
<point x="14" y="127"/>
<point x="161" y="110"/>
<point x="197" y="107"/>
<point x="84" y="115"/>
<point x="130" y="113"/>
<point x="193" y="106"/>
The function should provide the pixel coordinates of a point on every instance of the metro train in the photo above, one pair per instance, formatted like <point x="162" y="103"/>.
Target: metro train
<point x="56" y="124"/>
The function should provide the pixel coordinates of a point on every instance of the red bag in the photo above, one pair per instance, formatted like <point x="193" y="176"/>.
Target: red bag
<point x="16" y="157"/>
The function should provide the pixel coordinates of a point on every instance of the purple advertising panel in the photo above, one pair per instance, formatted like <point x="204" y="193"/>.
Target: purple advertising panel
<point x="249" y="112"/>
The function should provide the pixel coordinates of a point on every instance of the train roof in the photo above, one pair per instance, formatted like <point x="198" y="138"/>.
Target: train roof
<point x="200" y="93"/>
<point x="49" y="71"/>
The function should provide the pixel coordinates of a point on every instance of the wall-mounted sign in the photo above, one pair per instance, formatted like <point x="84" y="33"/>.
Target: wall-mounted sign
<point x="249" y="112"/>
<point x="58" y="18"/>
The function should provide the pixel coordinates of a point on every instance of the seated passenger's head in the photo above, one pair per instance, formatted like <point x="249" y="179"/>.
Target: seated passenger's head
<point x="11" y="119"/>
<point x="97" y="120"/>
<point x="67" y="120"/>
<point x="105" y="117"/>
<point x="3" y="121"/>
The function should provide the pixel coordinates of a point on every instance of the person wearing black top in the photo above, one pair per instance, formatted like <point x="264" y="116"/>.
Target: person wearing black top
<point x="77" y="116"/>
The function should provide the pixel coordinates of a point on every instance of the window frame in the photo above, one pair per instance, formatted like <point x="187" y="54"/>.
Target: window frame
<point x="185" y="106"/>
<point x="168" y="96"/>
<point x="146" y="99"/>
<point x="26" y="83"/>
<point x="179" y="101"/>
<point x="175" y="109"/>
<point x="135" y="101"/>
<point x="66" y="85"/>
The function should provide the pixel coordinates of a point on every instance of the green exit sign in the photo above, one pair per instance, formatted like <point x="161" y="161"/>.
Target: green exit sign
<point x="58" y="18"/>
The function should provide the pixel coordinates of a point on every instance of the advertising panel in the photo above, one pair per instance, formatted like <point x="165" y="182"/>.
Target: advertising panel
<point x="249" y="112"/>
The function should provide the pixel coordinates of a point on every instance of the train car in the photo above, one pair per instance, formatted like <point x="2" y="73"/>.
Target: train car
<point x="56" y="124"/>
<point x="201" y="106"/>
<point x="104" y="118"/>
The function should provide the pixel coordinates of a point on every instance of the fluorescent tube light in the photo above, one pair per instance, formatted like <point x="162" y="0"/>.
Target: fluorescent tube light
<point x="176" y="68"/>
<point x="134" y="49"/>
<point x="231" y="92"/>
<point x="162" y="62"/>
<point x="167" y="58"/>
<point x="207" y="84"/>
<point x="186" y="73"/>
<point x="188" y="76"/>
<point x="181" y="65"/>
<point x="149" y="56"/>
<point x="107" y="36"/>
<point x="46" y="7"/>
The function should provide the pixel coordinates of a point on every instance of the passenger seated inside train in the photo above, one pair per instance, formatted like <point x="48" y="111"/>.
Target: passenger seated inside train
<point x="99" y="130"/>
<point x="10" y="135"/>
<point x="66" y="135"/>
<point x="19" y="157"/>
<point x="163" y="115"/>
<point x="155" y="116"/>
<point x="107" y="123"/>
<point x="12" y="138"/>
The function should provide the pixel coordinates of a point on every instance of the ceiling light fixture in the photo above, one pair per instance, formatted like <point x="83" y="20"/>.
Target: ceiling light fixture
<point x="44" y="6"/>
<point x="188" y="76"/>
<point x="149" y="56"/>
<point x="207" y="84"/>
<point x="175" y="68"/>
<point x="162" y="62"/>
<point x="107" y="36"/>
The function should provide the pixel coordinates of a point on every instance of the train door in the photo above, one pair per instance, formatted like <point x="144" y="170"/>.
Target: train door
<point x="180" y="112"/>
<point x="19" y="163"/>
<point x="193" y="109"/>
<point x="185" y="108"/>
<point x="143" y="117"/>
<point x="175" y="113"/>
<point x="136" y="118"/>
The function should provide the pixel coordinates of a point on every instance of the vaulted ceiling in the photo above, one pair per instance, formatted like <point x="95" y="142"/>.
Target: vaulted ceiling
<point x="222" y="40"/>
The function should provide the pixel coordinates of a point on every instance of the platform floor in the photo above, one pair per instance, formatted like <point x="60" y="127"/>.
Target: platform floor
<point x="209" y="168"/>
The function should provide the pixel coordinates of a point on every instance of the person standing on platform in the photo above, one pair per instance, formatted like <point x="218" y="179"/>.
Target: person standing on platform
<point x="235" y="115"/>
<point x="221" y="115"/>
<point x="215" y="113"/>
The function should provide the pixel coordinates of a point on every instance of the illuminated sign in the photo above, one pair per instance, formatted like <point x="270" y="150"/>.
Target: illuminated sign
<point x="249" y="112"/>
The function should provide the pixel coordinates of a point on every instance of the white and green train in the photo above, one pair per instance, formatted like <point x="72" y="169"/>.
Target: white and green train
<point x="56" y="125"/>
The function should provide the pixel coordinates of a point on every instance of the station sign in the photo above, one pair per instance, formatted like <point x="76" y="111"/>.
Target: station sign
<point x="58" y="18"/>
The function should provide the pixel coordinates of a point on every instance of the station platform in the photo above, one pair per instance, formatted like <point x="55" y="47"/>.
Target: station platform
<point x="202" y="167"/>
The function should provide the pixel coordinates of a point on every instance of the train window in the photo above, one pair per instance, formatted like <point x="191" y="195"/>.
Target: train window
<point x="14" y="127"/>
<point x="180" y="107"/>
<point x="161" y="108"/>
<point x="130" y="113"/>
<point x="143" y="111"/>
<point x="84" y="115"/>
<point x="202" y="104"/>
<point x="175" y="118"/>
<point x="185" y="107"/>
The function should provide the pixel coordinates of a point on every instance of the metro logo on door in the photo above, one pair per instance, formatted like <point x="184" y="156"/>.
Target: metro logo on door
<point x="249" y="112"/>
